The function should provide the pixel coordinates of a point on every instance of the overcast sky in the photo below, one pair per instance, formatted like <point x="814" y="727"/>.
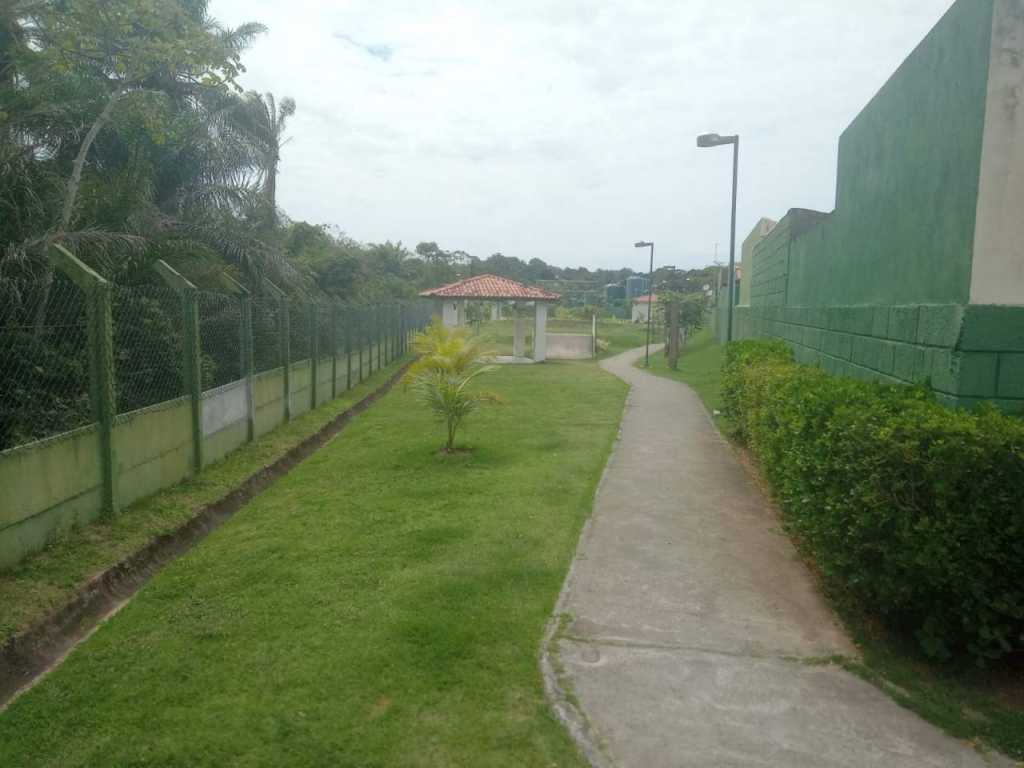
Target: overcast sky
<point x="565" y="130"/>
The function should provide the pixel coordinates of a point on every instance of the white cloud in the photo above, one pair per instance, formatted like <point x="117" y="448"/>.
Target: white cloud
<point x="564" y="129"/>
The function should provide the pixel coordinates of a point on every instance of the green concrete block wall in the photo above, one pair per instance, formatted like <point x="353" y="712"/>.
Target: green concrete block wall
<point x="908" y="179"/>
<point x="48" y="486"/>
<point x="879" y="289"/>
<point x="966" y="354"/>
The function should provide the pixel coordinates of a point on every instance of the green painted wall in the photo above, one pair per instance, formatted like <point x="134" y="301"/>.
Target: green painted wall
<point x="268" y="400"/>
<point x="966" y="354"/>
<point x="47" y="487"/>
<point x="907" y="190"/>
<point x="153" y="448"/>
<point x="300" y="385"/>
<point x="52" y="484"/>
<point x="224" y="441"/>
<point x="879" y="289"/>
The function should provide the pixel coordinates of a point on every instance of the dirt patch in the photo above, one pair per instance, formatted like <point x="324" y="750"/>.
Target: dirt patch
<point x="32" y="653"/>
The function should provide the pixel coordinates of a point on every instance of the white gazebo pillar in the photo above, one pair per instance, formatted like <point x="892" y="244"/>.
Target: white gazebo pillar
<point x="540" y="333"/>
<point x="495" y="311"/>
<point x="519" y="338"/>
<point x="450" y="313"/>
<point x="461" y="320"/>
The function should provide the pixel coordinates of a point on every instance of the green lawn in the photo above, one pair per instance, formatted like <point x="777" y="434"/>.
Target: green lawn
<point x="700" y="366"/>
<point x="46" y="581"/>
<point x="986" y="706"/>
<point x="381" y="605"/>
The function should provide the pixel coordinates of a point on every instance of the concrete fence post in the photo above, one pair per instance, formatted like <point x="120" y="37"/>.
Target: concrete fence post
<point x="334" y="350"/>
<point x="248" y="366"/>
<point x="284" y="339"/>
<point x="194" y="373"/>
<point x="314" y="351"/>
<point x="360" y="338"/>
<point x="104" y="394"/>
<point x="348" y="349"/>
<point x="247" y="351"/>
<point x="378" y="324"/>
<point x="401" y="330"/>
<point x="371" y="335"/>
<point x="100" y="338"/>
<point x="192" y="366"/>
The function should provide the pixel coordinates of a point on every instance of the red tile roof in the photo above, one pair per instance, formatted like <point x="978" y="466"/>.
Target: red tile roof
<point x="490" y="287"/>
<point x="645" y="299"/>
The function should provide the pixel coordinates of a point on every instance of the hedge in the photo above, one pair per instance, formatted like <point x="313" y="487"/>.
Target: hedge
<point x="913" y="509"/>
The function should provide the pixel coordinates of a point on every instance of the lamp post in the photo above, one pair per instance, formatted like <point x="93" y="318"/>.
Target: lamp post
<point x="714" y="140"/>
<point x="650" y="304"/>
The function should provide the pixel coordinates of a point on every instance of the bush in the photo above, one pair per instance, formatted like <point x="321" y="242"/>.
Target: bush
<point x="915" y="510"/>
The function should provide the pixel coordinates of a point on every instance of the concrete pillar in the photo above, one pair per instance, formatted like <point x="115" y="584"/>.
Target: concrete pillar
<point x="450" y="313"/>
<point x="997" y="274"/>
<point x="495" y="311"/>
<point x="519" y="338"/>
<point x="540" y="333"/>
<point x="461" y="316"/>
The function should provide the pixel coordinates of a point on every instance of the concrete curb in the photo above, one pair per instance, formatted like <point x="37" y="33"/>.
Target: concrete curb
<point x="31" y="654"/>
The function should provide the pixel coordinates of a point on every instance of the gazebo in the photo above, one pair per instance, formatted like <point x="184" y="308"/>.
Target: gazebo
<point x="450" y="305"/>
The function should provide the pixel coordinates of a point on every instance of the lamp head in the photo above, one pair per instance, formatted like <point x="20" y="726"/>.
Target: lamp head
<point x="643" y="245"/>
<point x="714" y="140"/>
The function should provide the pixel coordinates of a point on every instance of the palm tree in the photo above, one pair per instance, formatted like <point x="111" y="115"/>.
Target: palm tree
<point x="266" y="123"/>
<point x="449" y="362"/>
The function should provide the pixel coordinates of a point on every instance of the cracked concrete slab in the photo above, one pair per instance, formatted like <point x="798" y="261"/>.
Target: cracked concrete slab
<point x="697" y="636"/>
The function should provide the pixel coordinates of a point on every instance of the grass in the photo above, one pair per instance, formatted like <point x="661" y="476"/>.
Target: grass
<point x="46" y="581"/>
<point x="985" y="707"/>
<point x="381" y="605"/>
<point x="700" y="366"/>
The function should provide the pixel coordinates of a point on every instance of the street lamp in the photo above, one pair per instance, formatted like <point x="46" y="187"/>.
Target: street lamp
<point x="714" y="140"/>
<point x="650" y="303"/>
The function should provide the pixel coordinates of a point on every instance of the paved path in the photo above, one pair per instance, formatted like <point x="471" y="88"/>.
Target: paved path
<point x="695" y="630"/>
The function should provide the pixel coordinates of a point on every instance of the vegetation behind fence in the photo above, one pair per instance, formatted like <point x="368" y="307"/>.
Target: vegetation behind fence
<point x="112" y="392"/>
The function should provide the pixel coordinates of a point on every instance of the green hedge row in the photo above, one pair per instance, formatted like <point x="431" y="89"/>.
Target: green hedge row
<point x="915" y="510"/>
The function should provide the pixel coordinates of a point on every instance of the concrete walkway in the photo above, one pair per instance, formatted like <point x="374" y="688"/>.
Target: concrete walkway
<point x="697" y="637"/>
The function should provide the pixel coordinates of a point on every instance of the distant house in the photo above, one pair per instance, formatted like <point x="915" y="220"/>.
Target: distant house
<point x="642" y="307"/>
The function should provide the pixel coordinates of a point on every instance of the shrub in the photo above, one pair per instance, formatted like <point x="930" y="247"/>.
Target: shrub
<point x="915" y="510"/>
<point x="448" y="363"/>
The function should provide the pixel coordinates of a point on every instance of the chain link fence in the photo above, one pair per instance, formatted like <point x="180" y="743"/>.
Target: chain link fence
<point x="300" y="334"/>
<point x="266" y="338"/>
<point x="220" y="331"/>
<point x="148" y="326"/>
<point x="46" y="349"/>
<point x="327" y="340"/>
<point x="44" y="359"/>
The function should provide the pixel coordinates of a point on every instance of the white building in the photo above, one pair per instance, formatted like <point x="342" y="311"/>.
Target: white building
<point x="642" y="307"/>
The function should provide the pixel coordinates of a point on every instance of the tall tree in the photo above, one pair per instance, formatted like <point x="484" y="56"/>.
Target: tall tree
<point x="267" y="121"/>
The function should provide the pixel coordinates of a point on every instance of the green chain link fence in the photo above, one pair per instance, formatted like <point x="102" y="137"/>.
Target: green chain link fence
<point x="44" y="362"/>
<point x="166" y="378"/>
